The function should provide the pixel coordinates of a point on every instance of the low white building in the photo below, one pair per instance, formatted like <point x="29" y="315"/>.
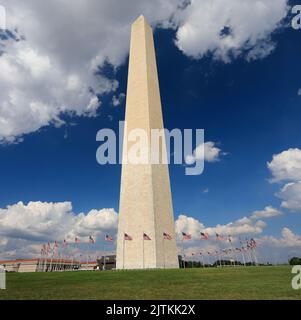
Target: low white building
<point x="46" y="265"/>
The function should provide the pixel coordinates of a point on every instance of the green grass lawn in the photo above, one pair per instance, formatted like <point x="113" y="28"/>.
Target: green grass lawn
<point x="211" y="283"/>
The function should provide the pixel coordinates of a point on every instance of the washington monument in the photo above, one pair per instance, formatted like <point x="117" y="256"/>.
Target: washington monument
<point x="146" y="232"/>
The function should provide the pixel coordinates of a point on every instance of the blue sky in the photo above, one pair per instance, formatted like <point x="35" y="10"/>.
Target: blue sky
<point x="249" y="109"/>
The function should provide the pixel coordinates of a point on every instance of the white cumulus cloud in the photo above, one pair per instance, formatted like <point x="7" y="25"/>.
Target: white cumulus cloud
<point x="267" y="212"/>
<point x="189" y="225"/>
<point x="288" y="239"/>
<point x="239" y="227"/>
<point x="207" y="151"/>
<point x="269" y="248"/>
<point x="24" y="227"/>
<point x="55" y="66"/>
<point x="286" y="166"/>
<point x="228" y="28"/>
<point x="291" y="196"/>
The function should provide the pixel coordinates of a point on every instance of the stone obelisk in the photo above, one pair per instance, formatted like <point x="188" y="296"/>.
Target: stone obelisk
<point x="145" y="197"/>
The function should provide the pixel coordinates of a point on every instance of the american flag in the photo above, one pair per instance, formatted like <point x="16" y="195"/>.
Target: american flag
<point x="91" y="240"/>
<point x="186" y="236"/>
<point x="166" y="236"/>
<point x="205" y="236"/>
<point x="253" y="243"/>
<point x="146" y="237"/>
<point x="127" y="237"/>
<point x="77" y="240"/>
<point x="219" y="236"/>
<point x="109" y="238"/>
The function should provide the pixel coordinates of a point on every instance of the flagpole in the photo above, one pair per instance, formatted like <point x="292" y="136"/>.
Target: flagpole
<point x="59" y="261"/>
<point x="255" y="258"/>
<point x="38" y="266"/>
<point x="143" y="251"/>
<point x="242" y="251"/>
<point x="71" y="257"/>
<point x="243" y="257"/>
<point x="249" y="253"/>
<point x="39" y="261"/>
<point x="75" y="254"/>
<point x="51" y="262"/>
<point x="56" y="266"/>
<point x="229" y="256"/>
<point x="87" y="254"/>
<point x="203" y="260"/>
<point x="164" y="252"/>
<point x="232" y="248"/>
<point x="248" y="250"/>
<point x="249" y="256"/>
<point x="79" y="256"/>
<point x="123" y="251"/>
<point x="183" y="253"/>
<point x="43" y="261"/>
<point x="105" y="257"/>
<point x="62" y="258"/>
<point x="252" y="255"/>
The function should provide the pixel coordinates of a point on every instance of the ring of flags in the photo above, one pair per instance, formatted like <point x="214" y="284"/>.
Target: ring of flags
<point x="251" y="244"/>
<point x="52" y="250"/>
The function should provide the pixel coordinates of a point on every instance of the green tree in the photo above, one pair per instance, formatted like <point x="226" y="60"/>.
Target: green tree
<point x="295" y="261"/>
